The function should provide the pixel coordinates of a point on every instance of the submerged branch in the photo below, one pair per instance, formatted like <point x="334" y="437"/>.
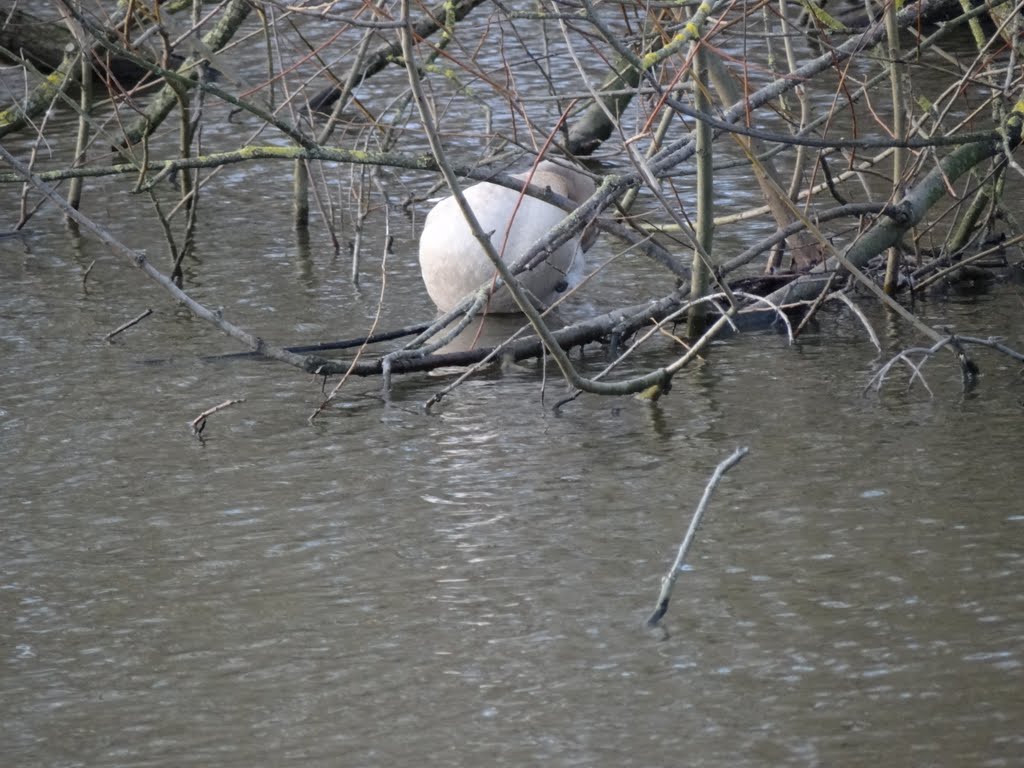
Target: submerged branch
<point x="669" y="580"/>
<point x="139" y="260"/>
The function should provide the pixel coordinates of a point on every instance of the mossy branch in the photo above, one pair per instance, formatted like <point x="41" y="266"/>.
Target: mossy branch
<point x="185" y="77"/>
<point x="909" y="212"/>
<point x="50" y="88"/>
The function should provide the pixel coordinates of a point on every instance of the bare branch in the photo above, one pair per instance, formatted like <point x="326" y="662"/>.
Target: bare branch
<point x="669" y="580"/>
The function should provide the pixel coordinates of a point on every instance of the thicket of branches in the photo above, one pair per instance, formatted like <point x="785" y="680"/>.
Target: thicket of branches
<point x="881" y="140"/>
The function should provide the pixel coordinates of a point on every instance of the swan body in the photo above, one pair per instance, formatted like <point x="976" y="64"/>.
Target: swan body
<point x="454" y="264"/>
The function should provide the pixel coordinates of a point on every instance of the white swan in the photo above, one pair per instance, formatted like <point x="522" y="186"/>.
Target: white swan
<point x="454" y="264"/>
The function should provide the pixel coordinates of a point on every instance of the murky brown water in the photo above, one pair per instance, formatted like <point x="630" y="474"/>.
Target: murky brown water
<point x="467" y="587"/>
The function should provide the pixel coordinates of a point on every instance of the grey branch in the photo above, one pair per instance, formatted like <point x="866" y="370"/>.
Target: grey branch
<point x="670" y="578"/>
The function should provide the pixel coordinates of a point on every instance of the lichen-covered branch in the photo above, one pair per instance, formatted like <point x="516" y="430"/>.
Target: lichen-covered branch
<point x="909" y="212"/>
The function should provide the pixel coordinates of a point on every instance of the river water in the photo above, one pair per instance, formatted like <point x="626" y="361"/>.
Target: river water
<point x="468" y="587"/>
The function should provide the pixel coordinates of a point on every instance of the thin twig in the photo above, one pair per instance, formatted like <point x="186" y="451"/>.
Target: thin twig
<point x="841" y="296"/>
<point x="88" y="269"/>
<point x="904" y="356"/>
<point x="969" y="371"/>
<point x="127" y="325"/>
<point x="669" y="579"/>
<point x="825" y="292"/>
<point x="376" y="320"/>
<point x="198" y="424"/>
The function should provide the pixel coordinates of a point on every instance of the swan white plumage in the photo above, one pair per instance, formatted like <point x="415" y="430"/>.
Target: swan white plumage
<point x="454" y="264"/>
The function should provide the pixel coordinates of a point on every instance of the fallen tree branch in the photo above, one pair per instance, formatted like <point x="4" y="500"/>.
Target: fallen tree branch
<point x="908" y="213"/>
<point x="43" y="94"/>
<point x="309" y="364"/>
